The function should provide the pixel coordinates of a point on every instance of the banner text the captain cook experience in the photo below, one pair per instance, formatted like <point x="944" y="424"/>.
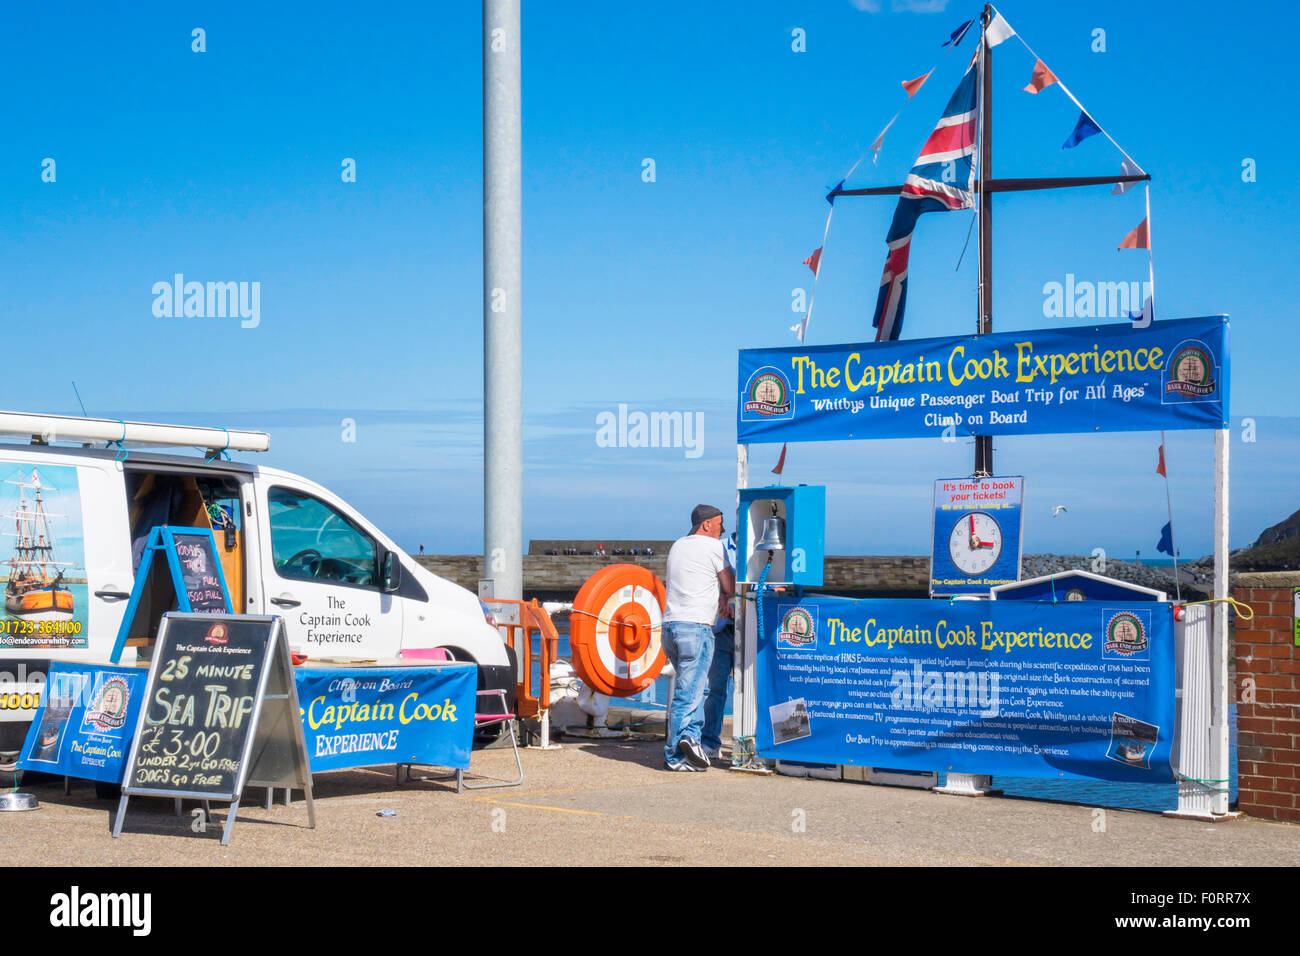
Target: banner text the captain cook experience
<point x="1172" y="375"/>
<point x="1076" y="689"/>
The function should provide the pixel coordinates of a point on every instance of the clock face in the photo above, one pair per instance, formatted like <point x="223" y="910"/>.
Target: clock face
<point x="975" y="543"/>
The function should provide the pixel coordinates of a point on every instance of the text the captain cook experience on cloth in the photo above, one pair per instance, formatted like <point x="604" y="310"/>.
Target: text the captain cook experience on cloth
<point x="1033" y="689"/>
<point x="1172" y="375"/>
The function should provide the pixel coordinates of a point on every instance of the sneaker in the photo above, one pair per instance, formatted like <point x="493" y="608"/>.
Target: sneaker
<point x="693" y="753"/>
<point x="683" y="765"/>
<point x="713" y="753"/>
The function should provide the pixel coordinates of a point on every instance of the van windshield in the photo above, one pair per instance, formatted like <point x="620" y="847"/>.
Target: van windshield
<point x="310" y="541"/>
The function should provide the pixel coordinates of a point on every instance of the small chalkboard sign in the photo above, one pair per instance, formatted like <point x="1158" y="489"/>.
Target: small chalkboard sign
<point x="220" y="712"/>
<point x="196" y="576"/>
<point x="200" y="571"/>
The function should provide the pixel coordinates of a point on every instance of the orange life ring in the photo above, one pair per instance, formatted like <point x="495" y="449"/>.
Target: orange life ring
<point x="614" y="630"/>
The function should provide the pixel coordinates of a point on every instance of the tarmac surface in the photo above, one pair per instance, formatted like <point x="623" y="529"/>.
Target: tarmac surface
<point x="609" y="802"/>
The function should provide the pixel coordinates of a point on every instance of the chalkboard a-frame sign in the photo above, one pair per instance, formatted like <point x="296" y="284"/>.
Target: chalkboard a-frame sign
<point x="220" y="713"/>
<point x="196" y="576"/>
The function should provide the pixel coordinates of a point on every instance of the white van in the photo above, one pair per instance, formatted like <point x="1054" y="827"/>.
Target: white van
<point x="74" y="521"/>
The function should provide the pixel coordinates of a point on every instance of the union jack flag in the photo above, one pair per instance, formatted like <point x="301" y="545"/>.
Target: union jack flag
<point x="942" y="179"/>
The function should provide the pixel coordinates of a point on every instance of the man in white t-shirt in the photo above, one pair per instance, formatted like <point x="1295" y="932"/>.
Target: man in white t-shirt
<point x="700" y="585"/>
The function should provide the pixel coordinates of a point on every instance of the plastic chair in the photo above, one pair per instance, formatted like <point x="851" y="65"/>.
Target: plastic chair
<point x="480" y="721"/>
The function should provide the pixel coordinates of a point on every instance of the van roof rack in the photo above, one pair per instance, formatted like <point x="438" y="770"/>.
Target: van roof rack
<point x="46" y="429"/>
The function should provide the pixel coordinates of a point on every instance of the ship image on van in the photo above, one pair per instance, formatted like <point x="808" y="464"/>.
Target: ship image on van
<point x="35" y="589"/>
<point x="79" y="511"/>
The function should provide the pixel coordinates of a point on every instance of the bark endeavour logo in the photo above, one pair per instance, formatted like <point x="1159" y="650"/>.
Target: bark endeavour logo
<point x="1190" y="374"/>
<point x="767" y="395"/>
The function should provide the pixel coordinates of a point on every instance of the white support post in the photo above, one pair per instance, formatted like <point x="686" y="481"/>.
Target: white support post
<point x="1219" y="753"/>
<point x="1202" y="637"/>
<point x="746" y="641"/>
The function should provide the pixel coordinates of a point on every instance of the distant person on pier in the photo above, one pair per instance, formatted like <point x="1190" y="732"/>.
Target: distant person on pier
<point x="699" y="588"/>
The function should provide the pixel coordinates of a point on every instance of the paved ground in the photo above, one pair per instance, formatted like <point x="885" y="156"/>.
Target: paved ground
<point x="608" y="802"/>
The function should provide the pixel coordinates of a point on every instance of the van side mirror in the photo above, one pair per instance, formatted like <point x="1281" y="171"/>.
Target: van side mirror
<point x="392" y="572"/>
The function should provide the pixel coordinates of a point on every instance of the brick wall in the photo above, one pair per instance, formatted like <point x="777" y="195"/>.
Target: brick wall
<point x="1268" y="729"/>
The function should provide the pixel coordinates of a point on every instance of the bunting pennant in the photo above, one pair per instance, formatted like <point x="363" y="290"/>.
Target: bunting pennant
<point x="879" y="142"/>
<point x="942" y="179"/>
<point x="1086" y="127"/>
<point x="1126" y="168"/>
<point x="1139" y="238"/>
<point x="913" y="85"/>
<point x="1160" y="468"/>
<point x="1167" y="539"/>
<point x="814" y="260"/>
<point x="997" y="31"/>
<point x="780" y="462"/>
<point x="955" y="37"/>
<point x="1041" y="79"/>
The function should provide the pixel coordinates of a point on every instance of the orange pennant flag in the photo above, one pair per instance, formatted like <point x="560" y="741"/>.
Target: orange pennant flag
<point x="1041" y="79"/>
<point x="814" y="260"/>
<point x="1160" y="468"/>
<point x="913" y="85"/>
<point x="780" y="464"/>
<point x="1139" y="238"/>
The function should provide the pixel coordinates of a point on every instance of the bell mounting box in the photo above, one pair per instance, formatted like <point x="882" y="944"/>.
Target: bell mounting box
<point x="803" y="509"/>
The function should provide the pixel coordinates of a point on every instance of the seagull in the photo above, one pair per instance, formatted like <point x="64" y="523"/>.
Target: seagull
<point x="1057" y="510"/>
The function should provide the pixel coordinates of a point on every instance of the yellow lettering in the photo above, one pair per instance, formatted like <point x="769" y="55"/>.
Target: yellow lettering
<point x="799" y="361"/>
<point x="311" y="713"/>
<point x="953" y="357"/>
<point x="1024" y="352"/>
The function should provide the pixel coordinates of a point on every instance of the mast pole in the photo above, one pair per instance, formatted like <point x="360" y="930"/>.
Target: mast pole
<point x="984" y="323"/>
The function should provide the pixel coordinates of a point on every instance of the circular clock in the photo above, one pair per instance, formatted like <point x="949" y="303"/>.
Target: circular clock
<point x="975" y="543"/>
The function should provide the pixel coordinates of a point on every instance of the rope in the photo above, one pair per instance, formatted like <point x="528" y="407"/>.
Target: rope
<point x="122" y="453"/>
<point x="1204" y="782"/>
<point x="219" y="452"/>
<point x="609" y="623"/>
<point x="1244" y="611"/>
<point x="761" y="587"/>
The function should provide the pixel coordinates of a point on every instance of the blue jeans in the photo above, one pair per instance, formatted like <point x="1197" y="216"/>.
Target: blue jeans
<point x="689" y="648"/>
<point x="715" y="702"/>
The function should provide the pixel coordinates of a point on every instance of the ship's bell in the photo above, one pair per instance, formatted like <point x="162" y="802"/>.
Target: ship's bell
<point x="773" y="535"/>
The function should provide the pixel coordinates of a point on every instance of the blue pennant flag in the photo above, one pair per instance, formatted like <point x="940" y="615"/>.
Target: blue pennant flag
<point x="1082" y="130"/>
<point x="1167" y="539"/>
<point x="955" y="37"/>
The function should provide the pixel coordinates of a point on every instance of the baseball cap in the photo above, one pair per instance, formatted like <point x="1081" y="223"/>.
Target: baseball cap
<point x="701" y="514"/>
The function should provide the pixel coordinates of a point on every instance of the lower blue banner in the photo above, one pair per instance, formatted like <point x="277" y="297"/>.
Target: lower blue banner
<point x="374" y="715"/>
<point x="1075" y="689"/>
<point x="85" y="721"/>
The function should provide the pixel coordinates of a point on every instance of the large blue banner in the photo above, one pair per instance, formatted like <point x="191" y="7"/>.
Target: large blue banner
<point x="1075" y="689"/>
<point x="85" y="722"/>
<point x="1171" y="375"/>
<point x="376" y="715"/>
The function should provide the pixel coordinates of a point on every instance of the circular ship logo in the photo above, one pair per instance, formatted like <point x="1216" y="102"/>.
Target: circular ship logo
<point x="1190" y="373"/>
<point x="109" y="710"/>
<point x="797" y="627"/>
<point x="1125" y="634"/>
<point x="768" y="394"/>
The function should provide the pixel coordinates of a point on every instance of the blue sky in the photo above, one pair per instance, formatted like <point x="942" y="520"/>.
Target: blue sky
<point x="225" y="166"/>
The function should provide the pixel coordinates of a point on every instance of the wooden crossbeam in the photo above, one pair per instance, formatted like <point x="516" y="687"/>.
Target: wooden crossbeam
<point x="1008" y="185"/>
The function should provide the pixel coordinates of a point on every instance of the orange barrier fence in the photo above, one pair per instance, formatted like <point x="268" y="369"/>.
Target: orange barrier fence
<point x="518" y="621"/>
